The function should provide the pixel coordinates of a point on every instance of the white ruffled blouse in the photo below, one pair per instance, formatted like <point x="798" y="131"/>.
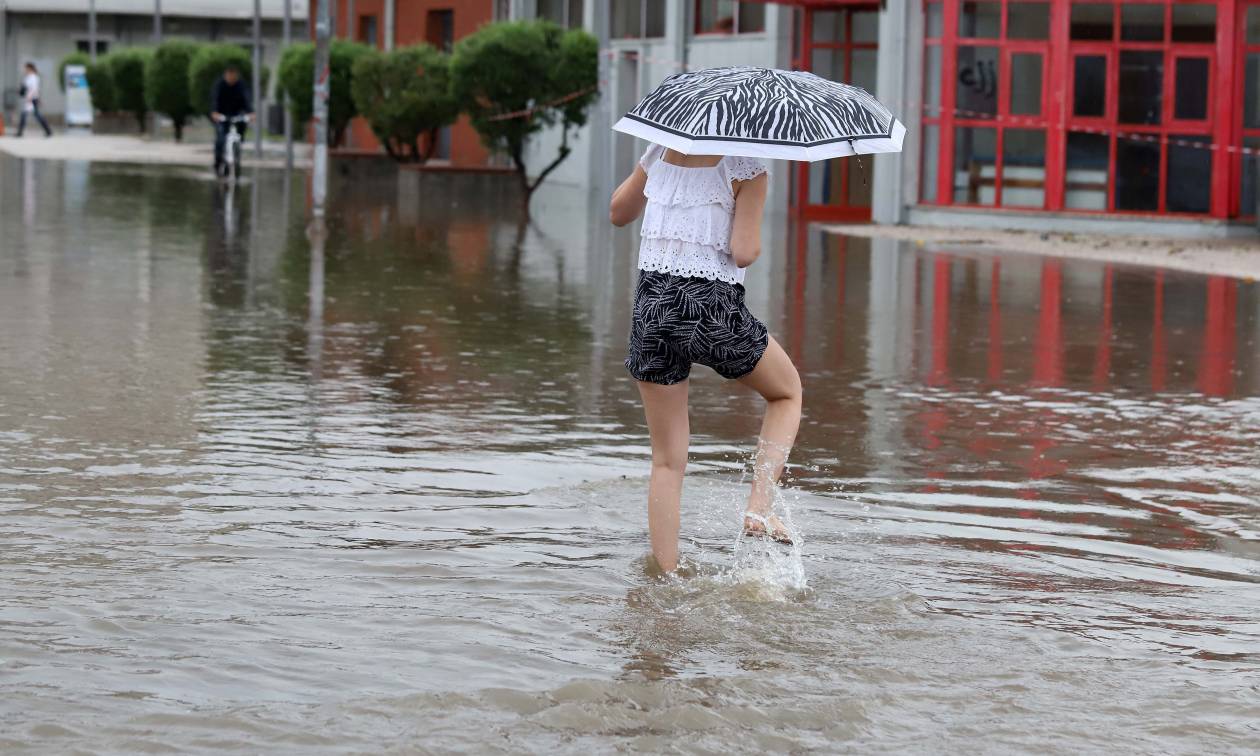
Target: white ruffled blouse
<point x="687" y="221"/>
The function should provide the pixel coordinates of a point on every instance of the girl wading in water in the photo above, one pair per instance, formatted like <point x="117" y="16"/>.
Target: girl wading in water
<point x="701" y="229"/>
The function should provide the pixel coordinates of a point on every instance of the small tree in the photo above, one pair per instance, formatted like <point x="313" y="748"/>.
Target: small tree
<point x="516" y="78"/>
<point x="166" y="82"/>
<point x="73" y="59"/>
<point x="297" y="78"/>
<point x="101" y="85"/>
<point x="405" y="95"/>
<point x="126" y="68"/>
<point x="207" y="67"/>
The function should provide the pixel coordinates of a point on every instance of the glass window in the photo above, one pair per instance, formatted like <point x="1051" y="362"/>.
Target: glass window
<point x="627" y="19"/>
<point x="829" y="64"/>
<point x="1142" y="22"/>
<point x="977" y="81"/>
<point x="1027" y="20"/>
<point x="1253" y="25"/>
<point x="1189" y="184"/>
<point x="936" y="21"/>
<point x="1025" y="82"/>
<point x="980" y="19"/>
<point x="865" y="26"/>
<point x="864" y="63"/>
<point x="828" y="26"/>
<point x="975" y="149"/>
<point x="563" y="12"/>
<point x="1250" y="173"/>
<point x="1141" y="86"/>
<point x="1190" y="101"/>
<point x="1089" y="86"/>
<point x="1137" y="173"/>
<point x="1088" y="169"/>
<point x="932" y="81"/>
<point x="1091" y="21"/>
<point x="932" y="160"/>
<point x="654" y="18"/>
<point x="1023" y="168"/>
<point x="715" y="16"/>
<point x="367" y="30"/>
<point x="1251" y="92"/>
<point x="752" y="18"/>
<point x="1194" y="23"/>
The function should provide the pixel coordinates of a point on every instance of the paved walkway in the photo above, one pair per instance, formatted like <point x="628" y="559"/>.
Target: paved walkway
<point x="118" y="148"/>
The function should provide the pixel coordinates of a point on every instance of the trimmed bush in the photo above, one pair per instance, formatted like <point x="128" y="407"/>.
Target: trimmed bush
<point x="126" y="68"/>
<point x="207" y="67"/>
<point x="101" y="85"/>
<point x="297" y="77"/>
<point x="73" y="59"/>
<point x="533" y="66"/>
<point x="405" y="95"/>
<point x="166" y="82"/>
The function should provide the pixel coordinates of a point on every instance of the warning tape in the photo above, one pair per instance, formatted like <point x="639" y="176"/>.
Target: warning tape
<point x="525" y="113"/>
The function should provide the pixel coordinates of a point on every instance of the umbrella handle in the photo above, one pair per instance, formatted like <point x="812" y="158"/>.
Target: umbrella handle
<point x="858" y="158"/>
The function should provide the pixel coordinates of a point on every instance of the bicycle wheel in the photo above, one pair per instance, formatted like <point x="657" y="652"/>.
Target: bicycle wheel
<point x="236" y="161"/>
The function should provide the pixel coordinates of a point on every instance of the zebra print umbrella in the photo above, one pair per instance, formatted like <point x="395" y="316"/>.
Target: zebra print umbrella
<point x="765" y="113"/>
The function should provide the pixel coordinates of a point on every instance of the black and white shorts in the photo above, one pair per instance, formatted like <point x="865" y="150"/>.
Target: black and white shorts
<point x="678" y="321"/>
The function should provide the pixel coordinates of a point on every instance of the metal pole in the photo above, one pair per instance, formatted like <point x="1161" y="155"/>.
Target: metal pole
<point x="257" y="83"/>
<point x="352" y="28"/>
<point x="319" y="181"/>
<point x="92" y="30"/>
<point x="288" y="114"/>
<point x="157" y="22"/>
<point x="389" y="24"/>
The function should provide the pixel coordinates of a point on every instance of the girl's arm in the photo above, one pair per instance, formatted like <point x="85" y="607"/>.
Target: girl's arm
<point x="750" y="200"/>
<point x="628" y="201"/>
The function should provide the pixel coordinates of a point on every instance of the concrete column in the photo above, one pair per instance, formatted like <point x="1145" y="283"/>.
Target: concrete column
<point x="92" y="30"/>
<point x="599" y="150"/>
<point x="899" y="71"/>
<point x="391" y="15"/>
<point x="677" y="28"/>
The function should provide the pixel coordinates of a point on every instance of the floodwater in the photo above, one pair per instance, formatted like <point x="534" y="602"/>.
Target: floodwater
<point x="388" y="495"/>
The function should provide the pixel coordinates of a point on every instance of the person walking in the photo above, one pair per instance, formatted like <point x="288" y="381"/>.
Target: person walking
<point x="230" y="97"/>
<point x="701" y="229"/>
<point x="30" y="99"/>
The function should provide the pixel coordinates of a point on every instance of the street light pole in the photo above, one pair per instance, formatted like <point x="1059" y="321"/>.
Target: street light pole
<point x="257" y="83"/>
<point x="319" y="179"/>
<point x="157" y="22"/>
<point x="92" y="30"/>
<point x="288" y="114"/>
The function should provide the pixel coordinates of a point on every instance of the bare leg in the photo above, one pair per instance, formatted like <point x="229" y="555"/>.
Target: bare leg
<point x="666" y="410"/>
<point x="776" y="379"/>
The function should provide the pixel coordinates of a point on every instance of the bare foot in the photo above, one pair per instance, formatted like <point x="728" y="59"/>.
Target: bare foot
<point x="758" y="526"/>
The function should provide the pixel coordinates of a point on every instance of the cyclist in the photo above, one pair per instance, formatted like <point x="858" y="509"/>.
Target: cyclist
<point x="229" y="97"/>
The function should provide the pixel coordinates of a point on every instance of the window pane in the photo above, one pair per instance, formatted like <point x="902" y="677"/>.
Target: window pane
<point x="1089" y="90"/>
<point x="866" y="26"/>
<point x="1027" y="20"/>
<point x="1194" y="23"/>
<point x="1141" y="86"/>
<point x="575" y="14"/>
<point x="1088" y="164"/>
<point x="1189" y="187"/>
<point x="980" y="19"/>
<point x="716" y="16"/>
<point x="1253" y="25"/>
<point x="1025" y="81"/>
<point x="974" y="165"/>
<point x="1142" y="22"/>
<point x="1191" y="99"/>
<point x="1251" y="92"/>
<point x="936" y="20"/>
<point x="932" y="160"/>
<point x="828" y="26"/>
<point x="977" y="81"/>
<point x="1023" y="168"/>
<point x="1091" y="20"/>
<point x="1137" y="174"/>
<point x="829" y="64"/>
<point x="932" y="81"/>
<point x="863" y="71"/>
<point x="655" y="21"/>
<point x="752" y="17"/>
<point x="1250" y="173"/>
<point x="552" y="10"/>
<point x="627" y="16"/>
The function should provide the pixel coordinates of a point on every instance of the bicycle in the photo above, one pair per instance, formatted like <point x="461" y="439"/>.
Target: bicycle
<point x="232" y="146"/>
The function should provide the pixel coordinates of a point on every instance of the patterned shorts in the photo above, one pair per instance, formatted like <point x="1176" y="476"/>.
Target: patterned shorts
<point x="678" y="321"/>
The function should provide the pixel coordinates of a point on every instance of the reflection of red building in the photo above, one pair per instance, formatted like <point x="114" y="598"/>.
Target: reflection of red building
<point x="439" y="23"/>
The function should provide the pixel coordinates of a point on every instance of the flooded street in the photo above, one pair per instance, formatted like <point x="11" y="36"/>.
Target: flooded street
<point x="388" y="495"/>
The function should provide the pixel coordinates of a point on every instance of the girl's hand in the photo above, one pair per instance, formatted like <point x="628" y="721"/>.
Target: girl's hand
<point x="750" y="200"/>
<point x="628" y="200"/>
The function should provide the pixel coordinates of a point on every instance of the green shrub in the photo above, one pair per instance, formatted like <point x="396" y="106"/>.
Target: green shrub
<point x="73" y="59"/>
<point x="297" y="77"/>
<point x="516" y="66"/>
<point x="166" y="82"/>
<point x="101" y="85"/>
<point x="126" y="68"/>
<point x="405" y="95"/>
<point x="207" y="67"/>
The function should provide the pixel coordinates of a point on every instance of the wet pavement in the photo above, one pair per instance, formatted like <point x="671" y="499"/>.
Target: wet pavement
<point x="387" y="495"/>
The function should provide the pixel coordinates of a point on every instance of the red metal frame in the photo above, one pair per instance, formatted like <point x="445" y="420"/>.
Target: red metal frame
<point x="1222" y="126"/>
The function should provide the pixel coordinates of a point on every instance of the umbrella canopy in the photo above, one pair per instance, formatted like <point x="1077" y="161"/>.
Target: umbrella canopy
<point x="765" y="113"/>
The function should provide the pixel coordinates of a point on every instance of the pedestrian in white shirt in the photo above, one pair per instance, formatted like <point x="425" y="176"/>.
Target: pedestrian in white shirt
<point x="30" y="100"/>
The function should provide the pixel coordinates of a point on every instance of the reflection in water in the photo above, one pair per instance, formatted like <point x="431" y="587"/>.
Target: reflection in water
<point x="271" y="489"/>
